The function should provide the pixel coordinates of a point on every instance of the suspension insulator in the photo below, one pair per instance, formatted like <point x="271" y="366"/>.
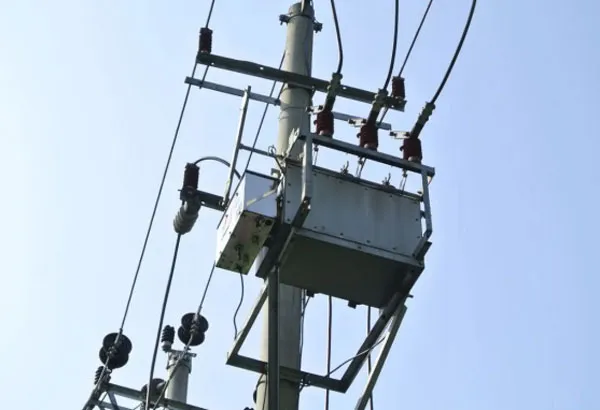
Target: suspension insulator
<point x="115" y="354"/>
<point x="324" y="123"/>
<point x="192" y="330"/>
<point x="124" y="344"/>
<point x="398" y="90"/>
<point x="367" y="137"/>
<point x="98" y="373"/>
<point x="411" y="149"/>
<point x="191" y="176"/>
<point x="205" y="40"/>
<point x="167" y="338"/>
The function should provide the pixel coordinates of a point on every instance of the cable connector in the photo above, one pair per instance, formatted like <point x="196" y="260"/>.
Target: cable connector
<point x="332" y="90"/>
<point x="422" y="120"/>
<point x="378" y="104"/>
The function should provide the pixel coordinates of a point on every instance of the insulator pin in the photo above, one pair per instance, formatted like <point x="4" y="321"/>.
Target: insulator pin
<point x="324" y="123"/>
<point x="411" y="150"/>
<point x="367" y="137"/>
<point x="398" y="89"/>
<point x="205" y="40"/>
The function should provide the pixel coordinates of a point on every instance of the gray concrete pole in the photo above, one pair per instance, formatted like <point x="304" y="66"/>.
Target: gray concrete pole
<point x="179" y="375"/>
<point x="294" y="101"/>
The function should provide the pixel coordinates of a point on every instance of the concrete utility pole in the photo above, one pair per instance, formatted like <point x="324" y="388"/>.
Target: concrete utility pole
<point x="179" y="374"/>
<point x="294" y="101"/>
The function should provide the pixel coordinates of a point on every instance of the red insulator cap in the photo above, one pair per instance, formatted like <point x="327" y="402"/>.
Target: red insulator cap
<point x="411" y="149"/>
<point x="367" y="137"/>
<point x="191" y="176"/>
<point x="205" y="40"/>
<point x="324" y="123"/>
<point x="398" y="90"/>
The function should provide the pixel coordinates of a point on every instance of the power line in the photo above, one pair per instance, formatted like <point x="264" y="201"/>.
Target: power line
<point x="456" y="53"/>
<point x="394" y="45"/>
<point x="339" y="38"/>
<point x="161" y="319"/>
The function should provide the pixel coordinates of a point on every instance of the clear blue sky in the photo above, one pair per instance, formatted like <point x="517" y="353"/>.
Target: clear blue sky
<point x="503" y="317"/>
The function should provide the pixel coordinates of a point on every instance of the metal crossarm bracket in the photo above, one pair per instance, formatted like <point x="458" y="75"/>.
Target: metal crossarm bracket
<point x="351" y="119"/>
<point x="363" y="153"/>
<point x="234" y="358"/>
<point x="116" y="390"/>
<point x="299" y="80"/>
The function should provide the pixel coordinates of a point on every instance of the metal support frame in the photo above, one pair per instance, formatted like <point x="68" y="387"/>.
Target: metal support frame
<point x="114" y="390"/>
<point x="351" y="119"/>
<point x="298" y="80"/>
<point x="361" y="404"/>
<point x="238" y="141"/>
<point x="234" y="358"/>
<point x="360" y="152"/>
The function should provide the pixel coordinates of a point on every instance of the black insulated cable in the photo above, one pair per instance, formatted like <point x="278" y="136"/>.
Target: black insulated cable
<point x="394" y="45"/>
<point x="456" y="53"/>
<point x="339" y="38"/>
<point x="161" y="320"/>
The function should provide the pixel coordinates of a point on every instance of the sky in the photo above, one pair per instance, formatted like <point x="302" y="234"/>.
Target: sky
<point x="503" y="316"/>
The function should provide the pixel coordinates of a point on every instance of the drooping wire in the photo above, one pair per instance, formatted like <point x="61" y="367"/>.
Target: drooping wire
<point x="161" y="320"/>
<point x="329" y="336"/>
<point x="409" y="52"/>
<point x="369" y="363"/>
<point x="394" y="45"/>
<point x="239" y="306"/>
<point x="339" y="38"/>
<point x="345" y="362"/>
<point x="456" y="52"/>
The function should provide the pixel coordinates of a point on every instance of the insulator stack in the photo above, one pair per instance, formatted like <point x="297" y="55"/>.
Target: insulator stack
<point x="186" y="217"/>
<point x="192" y="329"/>
<point x="98" y="373"/>
<point x="205" y="40"/>
<point x="167" y="338"/>
<point x="115" y="353"/>
<point x="324" y="123"/>
<point x="398" y="90"/>
<point x="411" y="149"/>
<point x="367" y="137"/>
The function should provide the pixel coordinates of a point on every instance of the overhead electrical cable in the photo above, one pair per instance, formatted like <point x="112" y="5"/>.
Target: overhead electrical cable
<point x="394" y="45"/>
<point x="456" y="53"/>
<point x="162" y="319"/>
<point x="430" y="106"/>
<point x="339" y="38"/>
